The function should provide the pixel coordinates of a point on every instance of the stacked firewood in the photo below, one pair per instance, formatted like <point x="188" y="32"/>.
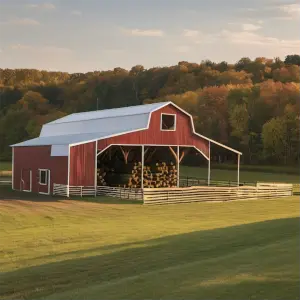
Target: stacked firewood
<point x="135" y="178"/>
<point x="164" y="176"/>
<point x="101" y="177"/>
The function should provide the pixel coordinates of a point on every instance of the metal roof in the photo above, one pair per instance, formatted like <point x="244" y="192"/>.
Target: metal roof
<point x="90" y="126"/>
<point x="111" y="113"/>
<point x="95" y="125"/>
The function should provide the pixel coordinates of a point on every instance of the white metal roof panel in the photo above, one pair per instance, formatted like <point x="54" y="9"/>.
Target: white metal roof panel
<point x="109" y="113"/>
<point x="67" y="139"/>
<point x="103" y="125"/>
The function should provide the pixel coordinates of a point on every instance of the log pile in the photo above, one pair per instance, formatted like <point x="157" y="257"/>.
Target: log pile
<point x="163" y="176"/>
<point x="135" y="178"/>
<point x="101" y="177"/>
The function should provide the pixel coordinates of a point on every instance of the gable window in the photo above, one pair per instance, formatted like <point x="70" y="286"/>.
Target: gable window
<point x="43" y="176"/>
<point x="168" y="122"/>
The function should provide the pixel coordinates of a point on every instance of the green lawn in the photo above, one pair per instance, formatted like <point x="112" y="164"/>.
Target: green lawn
<point x="63" y="249"/>
<point x="245" y="175"/>
<point x="5" y="165"/>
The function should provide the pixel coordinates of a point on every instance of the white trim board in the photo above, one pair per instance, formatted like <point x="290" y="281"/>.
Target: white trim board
<point x="175" y="122"/>
<point x="157" y="145"/>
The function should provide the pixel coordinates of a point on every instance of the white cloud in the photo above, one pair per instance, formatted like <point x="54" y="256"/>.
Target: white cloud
<point x="45" y="5"/>
<point x="41" y="49"/>
<point x="76" y="13"/>
<point x="190" y="33"/>
<point x="290" y="9"/>
<point x="251" y="38"/>
<point x="144" y="33"/>
<point x="250" y="27"/>
<point x="21" y="21"/>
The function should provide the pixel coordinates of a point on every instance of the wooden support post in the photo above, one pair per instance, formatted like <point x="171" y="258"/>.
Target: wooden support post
<point x="238" y="165"/>
<point x="173" y="152"/>
<point x="142" y="165"/>
<point x="209" y="165"/>
<point x="178" y="166"/>
<point x="125" y="153"/>
<point x="95" y="173"/>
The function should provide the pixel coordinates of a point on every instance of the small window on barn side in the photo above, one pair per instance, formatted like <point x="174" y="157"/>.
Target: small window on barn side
<point x="43" y="176"/>
<point x="168" y="122"/>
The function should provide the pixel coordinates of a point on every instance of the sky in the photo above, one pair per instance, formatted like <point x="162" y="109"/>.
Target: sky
<point x="88" y="35"/>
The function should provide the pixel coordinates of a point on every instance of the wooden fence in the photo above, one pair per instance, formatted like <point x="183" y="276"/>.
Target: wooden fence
<point x="210" y="193"/>
<point x="183" y="194"/>
<point x="191" y="181"/>
<point x="60" y="189"/>
<point x="120" y="192"/>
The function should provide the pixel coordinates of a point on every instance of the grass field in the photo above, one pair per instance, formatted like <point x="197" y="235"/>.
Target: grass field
<point x="5" y="165"/>
<point x="63" y="249"/>
<point x="245" y="175"/>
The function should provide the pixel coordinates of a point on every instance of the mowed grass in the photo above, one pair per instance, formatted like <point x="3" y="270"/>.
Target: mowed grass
<point x="245" y="175"/>
<point x="64" y="249"/>
<point x="5" y="165"/>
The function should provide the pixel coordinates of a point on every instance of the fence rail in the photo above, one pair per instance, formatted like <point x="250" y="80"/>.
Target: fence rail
<point x="4" y="182"/>
<point x="210" y="193"/>
<point x="120" y="192"/>
<point x="193" y="181"/>
<point x="181" y="194"/>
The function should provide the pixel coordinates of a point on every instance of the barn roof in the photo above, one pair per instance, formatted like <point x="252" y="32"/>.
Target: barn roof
<point x="96" y="125"/>
<point x="81" y="127"/>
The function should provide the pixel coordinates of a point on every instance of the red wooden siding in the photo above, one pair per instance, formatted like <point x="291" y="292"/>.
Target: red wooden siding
<point x="26" y="176"/>
<point x="182" y="136"/>
<point x="82" y="165"/>
<point x="38" y="157"/>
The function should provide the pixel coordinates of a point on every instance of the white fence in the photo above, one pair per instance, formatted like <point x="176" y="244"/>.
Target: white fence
<point x="183" y="194"/>
<point x="210" y="193"/>
<point x="120" y="192"/>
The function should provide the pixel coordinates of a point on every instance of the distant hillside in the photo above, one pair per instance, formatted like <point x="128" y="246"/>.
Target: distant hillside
<point x="252" y="105"/>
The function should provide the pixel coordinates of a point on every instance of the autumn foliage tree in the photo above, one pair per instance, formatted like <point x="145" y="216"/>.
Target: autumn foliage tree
<point x="253" y="105"/>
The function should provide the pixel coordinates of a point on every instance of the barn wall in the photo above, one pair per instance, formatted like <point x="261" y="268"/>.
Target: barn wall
<point x="35" y="158"/>
<point x="82" y="165"/>
<point x="182" y="136"/>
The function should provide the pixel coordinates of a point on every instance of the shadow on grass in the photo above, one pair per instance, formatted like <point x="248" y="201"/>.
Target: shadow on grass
<point x="7" y="194"/>
<point x="252" y="261"/>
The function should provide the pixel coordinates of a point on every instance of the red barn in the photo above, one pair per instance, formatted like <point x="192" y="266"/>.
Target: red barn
<point x="66" y="152"/>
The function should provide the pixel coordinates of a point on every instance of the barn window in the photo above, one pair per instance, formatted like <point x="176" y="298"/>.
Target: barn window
<point x="43" y="176"/>
<point x="168" y="122"/>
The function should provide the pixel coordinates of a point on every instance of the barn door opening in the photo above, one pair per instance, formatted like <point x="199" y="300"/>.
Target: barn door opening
<point x="44" y="181"/>
<point x="26" y="180"/>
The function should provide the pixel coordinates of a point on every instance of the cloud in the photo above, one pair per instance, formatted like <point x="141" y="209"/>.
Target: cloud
<point x="250" y="27"/>
<point x="46" y="5"/>
<point x="41" y="49"/>
<point x="144" y="33"/>
<point x="76" y="13"/>
<point x="21" y="21"/>
<point x="251" y="38"/>
<point x="292" y="10"/>
<point x="190" y="33"/>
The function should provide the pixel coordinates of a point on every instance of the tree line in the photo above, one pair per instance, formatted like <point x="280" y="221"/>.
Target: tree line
<point x="253" y="105"/>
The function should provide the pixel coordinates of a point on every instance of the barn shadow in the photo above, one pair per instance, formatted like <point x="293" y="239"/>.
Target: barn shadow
<point x="237" y="262"/>
<point x="7" y="194"/>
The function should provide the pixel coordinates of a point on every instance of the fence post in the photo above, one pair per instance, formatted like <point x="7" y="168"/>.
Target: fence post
<point x="81" y="191"/>
<point x="187" y="181"/>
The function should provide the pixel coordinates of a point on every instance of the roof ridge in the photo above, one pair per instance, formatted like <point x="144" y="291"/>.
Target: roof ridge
<point x="135" y="106"/>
